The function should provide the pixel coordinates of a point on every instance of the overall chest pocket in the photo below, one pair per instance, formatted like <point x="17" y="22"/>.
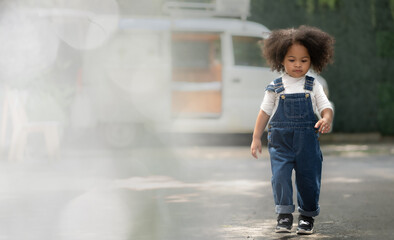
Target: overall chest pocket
<point x="295" y="108"/>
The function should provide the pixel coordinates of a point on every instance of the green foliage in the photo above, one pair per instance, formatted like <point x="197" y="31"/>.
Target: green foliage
<point x="392" y="8"/>
<point x="360" y="78"/>
<point x="331" y="4"/>
<point x="385" y="43"/>
<point x="373" y="13"/>
<point x="386" y="109"/>
<point x="311" y="5"/>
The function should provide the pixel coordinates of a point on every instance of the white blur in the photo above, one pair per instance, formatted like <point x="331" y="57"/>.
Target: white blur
<point x="88" y="96"/>
<point x="60" y="149"/>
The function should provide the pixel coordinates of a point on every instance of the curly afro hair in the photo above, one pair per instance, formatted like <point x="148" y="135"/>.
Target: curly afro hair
<point x="320" y="46"/>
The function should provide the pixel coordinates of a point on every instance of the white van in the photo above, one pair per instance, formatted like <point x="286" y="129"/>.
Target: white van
<point x="189" y="75"/>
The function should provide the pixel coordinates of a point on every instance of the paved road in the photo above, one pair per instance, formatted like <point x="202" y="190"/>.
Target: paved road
<point x="187" y="193"/>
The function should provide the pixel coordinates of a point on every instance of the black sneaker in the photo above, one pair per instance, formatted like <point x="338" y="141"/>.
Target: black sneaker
<point x="305" y="225"/>
<point x="285" y="223"/>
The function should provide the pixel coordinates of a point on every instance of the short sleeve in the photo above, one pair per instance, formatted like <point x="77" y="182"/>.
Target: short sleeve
<point x="322" y="101"/>
<point x="268" y="102"/>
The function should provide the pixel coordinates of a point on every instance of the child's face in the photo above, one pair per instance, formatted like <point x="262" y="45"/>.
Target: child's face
<point x="297" y="61"/>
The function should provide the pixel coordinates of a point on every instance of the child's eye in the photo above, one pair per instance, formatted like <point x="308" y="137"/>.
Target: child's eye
<point x="291" y="60"/>
<point x="304" y="61"/>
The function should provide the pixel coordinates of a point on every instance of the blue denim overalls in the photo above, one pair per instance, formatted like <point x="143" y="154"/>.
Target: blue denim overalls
<point x="293" y="144"/>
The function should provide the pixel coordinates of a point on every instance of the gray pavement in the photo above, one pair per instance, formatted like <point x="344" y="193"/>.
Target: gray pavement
<point x="187" y="192"/>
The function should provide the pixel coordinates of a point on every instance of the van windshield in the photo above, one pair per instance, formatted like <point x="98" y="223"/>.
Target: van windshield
<point x="247" y="51"/>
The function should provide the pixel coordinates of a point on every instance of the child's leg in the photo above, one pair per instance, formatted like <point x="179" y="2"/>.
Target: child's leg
<point x="282" y="164"/>
<point x="308" y="172"/>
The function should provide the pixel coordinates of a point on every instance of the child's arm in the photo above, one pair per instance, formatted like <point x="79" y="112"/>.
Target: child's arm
<point x="324" y="124"/>
<point x="261" y="123"/>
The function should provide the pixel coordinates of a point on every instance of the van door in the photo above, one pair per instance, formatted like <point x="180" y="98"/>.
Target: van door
<point x="246" y="81"/>
<point x="196" y="75"/>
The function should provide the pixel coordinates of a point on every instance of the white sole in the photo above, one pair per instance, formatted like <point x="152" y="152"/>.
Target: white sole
<point x="304" y="232"/>
<point x="282" y="230"/>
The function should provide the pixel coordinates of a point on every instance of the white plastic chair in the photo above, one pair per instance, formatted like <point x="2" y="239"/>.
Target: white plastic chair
<point x="14" y="108"/>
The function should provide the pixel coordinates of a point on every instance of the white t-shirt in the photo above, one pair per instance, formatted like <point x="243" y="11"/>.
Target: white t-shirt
<point x="296" y="85"/>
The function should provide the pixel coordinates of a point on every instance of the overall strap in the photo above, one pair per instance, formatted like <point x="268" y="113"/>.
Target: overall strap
<point x="277" y="87"/>
<point x="309" y="83"/>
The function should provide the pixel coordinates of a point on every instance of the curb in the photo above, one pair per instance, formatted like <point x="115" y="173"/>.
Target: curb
<point x="355" y="138"/>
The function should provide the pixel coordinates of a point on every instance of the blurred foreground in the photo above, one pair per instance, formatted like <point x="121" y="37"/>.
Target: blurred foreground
<point x="82" y="155"/>
<point x="163" y="191"/>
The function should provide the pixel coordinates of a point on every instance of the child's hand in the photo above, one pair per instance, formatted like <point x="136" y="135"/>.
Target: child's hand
<point x="323" y="125"/>
<point x="256" y="146"/>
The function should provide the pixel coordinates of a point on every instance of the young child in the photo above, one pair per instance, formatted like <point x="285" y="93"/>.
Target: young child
<point x="290" y="105"/>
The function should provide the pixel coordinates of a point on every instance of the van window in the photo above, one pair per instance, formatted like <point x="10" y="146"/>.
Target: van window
<point x="195" y="50"/>
<point x="247" y="51"/>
